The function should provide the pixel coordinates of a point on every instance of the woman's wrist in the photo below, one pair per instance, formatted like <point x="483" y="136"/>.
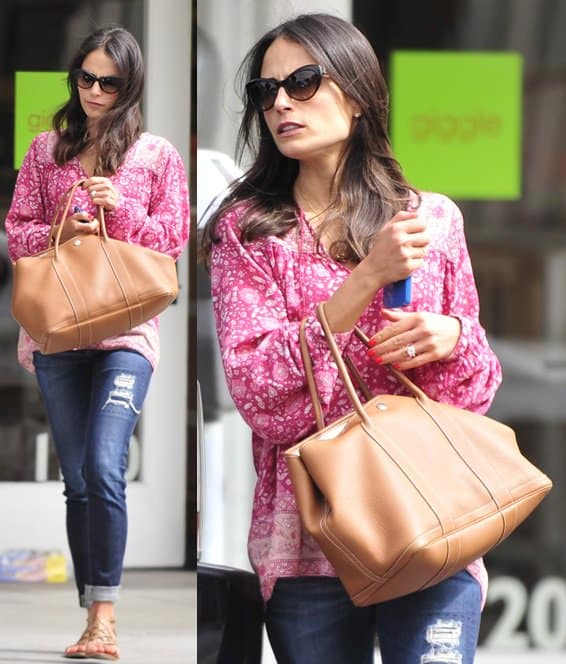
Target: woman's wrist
<point x="368" y="278"/>
<point x="349" y="302"/>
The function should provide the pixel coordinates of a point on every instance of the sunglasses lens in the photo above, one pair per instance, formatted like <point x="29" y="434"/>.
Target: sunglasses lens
<point x="109" y="84"/>
<point x="262" y="93"/>
<point x="303" y="84"/>
<point x="85" y="80"/>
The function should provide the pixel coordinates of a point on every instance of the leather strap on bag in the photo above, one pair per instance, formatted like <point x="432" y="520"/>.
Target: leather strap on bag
<point x="343" y="364"/>
<point x="311" y="382"/>
<point x="61" y="215"/>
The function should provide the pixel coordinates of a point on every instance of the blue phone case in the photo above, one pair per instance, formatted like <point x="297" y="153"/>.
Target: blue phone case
<point x="397" y="294"/>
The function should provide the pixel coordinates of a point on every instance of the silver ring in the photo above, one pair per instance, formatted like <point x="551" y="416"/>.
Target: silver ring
<point x="411" y="351"/>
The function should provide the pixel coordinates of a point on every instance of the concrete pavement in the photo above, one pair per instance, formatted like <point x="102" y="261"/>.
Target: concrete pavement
<point x="156" y="619"/>
<point x="156" y="623"/>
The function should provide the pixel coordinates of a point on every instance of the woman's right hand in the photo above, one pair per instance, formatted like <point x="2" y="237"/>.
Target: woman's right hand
<point x="398" y="249"/>
<point x="77" y="224"/>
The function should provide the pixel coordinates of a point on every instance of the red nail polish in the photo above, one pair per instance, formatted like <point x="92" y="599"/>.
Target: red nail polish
<point x="397" y="366"/>
<point x="371" y="352"/>
<point x="378" y="359"/>
<point x="372" y="343"/>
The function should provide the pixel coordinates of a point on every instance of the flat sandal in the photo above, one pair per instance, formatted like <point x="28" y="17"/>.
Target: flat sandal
<point x="102" y="631"/>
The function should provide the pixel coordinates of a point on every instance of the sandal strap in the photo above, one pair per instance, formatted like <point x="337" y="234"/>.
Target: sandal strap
<point x="103" y="630"/>
<point x="85" y="636"/>
<point x="83" y="639"/>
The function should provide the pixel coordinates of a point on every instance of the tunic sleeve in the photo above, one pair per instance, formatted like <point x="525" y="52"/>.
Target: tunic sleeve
<point x="27" y="228"/>
<point x="159" y="221"/>
<point x="259" y="343"/>
<point x="470" y="376"/>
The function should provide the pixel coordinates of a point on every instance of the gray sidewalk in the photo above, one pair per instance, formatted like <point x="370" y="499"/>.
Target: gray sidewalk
<point x="156" y="619"/>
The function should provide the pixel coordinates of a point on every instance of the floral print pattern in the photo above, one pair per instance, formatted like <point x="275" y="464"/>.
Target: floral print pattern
<point x="153" y="211"/>
<point x="261" y="291"/>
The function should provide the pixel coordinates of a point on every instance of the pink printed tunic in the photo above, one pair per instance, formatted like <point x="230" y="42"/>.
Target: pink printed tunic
<point x="153" y="211"/>
<point x="261" y="291"/>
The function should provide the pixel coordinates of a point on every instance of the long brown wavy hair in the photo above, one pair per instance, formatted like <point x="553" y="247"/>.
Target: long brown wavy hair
<point x="369" y="184"/>
<point x="121" y="125"/>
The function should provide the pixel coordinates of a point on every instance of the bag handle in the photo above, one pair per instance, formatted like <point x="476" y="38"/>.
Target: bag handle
<point x="342" y="365"/>
<point x="61" y="216"/>
<point x="311" y="382"/>
<point x="417" y="392"/>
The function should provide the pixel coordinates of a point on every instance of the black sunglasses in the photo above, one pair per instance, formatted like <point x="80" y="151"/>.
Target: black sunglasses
<point x="300" y="85"/>
<point x="109" y="84"/>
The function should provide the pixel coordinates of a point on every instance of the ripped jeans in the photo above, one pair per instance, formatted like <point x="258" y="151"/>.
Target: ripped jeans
<point x="93" y="399"/>
<point x="312" y="620"/>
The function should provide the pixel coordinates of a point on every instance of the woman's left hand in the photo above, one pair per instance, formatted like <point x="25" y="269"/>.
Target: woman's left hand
<point x="102" y="192"/>
<point x="414" y="338"/>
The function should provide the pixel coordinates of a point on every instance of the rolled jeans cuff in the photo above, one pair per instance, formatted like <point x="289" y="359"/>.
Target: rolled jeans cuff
<point x="101" y="594"/>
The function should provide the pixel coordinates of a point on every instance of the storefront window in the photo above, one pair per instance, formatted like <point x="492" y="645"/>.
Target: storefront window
<point x="518" y="249"/>
<point x="37" y="35"/>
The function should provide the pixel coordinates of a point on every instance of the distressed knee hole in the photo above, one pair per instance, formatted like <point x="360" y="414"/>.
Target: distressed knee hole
<point x="443" y="638"/>
<point x="122" y="393"/>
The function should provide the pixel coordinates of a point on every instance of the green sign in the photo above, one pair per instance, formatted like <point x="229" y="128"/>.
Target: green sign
<point x="38" y="95"/>
<point x="456" y="122"/>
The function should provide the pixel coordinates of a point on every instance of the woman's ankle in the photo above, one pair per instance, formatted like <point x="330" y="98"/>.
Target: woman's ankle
<point x="101" y="610"/>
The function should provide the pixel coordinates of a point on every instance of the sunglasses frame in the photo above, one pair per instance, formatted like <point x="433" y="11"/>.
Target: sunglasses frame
<point x="114" y="81"/>
<point x="317" y="69"/>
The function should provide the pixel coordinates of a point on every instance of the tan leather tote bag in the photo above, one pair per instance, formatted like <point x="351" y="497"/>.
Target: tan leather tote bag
<point x="404" y="491"/>
<point x="89" y="288"/>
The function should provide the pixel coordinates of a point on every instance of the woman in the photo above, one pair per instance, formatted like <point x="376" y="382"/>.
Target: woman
<point x="94" y="396"/>
<point x="325" y="214"/>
